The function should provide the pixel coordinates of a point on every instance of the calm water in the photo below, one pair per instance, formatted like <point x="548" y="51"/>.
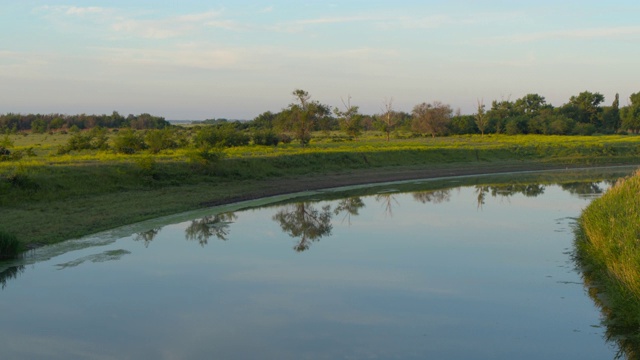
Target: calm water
<point x="472" y="272"/>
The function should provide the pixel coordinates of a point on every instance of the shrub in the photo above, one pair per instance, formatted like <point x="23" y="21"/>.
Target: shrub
<point x="267" y="137"/>
<point x="128" y="142"/>
<point x="221" y="135"/>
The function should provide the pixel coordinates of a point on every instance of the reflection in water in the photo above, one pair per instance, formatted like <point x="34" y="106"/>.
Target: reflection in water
<point x="95" y="258"/>
<point x="303" y="220"/>
<point x="349" y="207"/>
<point x="213" y="225"/>
<point x="147" y="236"/>
<point x="387" y="200"/>
<point x="434" y="196"/>
<point x="582" y="188"/>
<point x="627" y="338"/>
<point x="10" y="273"/>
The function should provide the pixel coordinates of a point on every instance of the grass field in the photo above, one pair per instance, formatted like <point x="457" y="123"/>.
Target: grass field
<point x="47" y="197"/>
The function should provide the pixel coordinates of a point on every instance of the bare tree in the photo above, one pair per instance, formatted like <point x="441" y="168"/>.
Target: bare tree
<point x="431" y="118"/>
<point x="482" y="121"/>
<point x="388" y="119"/>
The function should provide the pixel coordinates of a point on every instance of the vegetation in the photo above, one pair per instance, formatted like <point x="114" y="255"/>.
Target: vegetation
<point x="9" y="245"/>
<point x="63" y="176"/>
<point x="608" y="251"/>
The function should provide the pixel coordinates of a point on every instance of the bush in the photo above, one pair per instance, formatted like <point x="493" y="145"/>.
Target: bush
<point x="584" y="129"/>
<point x="9" y="245"/>
<point x="265" y="138"/>
<point x="221" y="135"/>
<point x="128" y="142"/>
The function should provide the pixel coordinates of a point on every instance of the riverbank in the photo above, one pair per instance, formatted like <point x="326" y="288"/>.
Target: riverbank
<point x="608" y="251"/>
<point x="55" y="198"/>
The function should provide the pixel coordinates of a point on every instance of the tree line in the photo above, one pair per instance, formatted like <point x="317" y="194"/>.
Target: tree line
<point x="584" y="114"/>
<point x="41" y="123"/>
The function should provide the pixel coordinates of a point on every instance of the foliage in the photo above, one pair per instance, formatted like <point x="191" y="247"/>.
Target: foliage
<point x="94" y="139"/>
<point x="9" y="245"/>
<point x="607" y="249"/>
<point x="128" y="141"/>
<point x="265" y="137"/>
<point x="431" y="118"/>
<point x="220" y="135"/>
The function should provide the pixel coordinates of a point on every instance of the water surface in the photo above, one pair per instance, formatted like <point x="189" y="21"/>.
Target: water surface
<point x="398" y="271"/>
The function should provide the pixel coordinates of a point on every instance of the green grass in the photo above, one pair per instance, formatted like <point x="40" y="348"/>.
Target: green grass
<point x="9" y="246"/>
<point x="608" y="250"/>
<point x="48" y="197"/>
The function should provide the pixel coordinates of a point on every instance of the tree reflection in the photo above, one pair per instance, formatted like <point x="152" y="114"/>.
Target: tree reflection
<point x="583" y="189"/>
<point x="433" y="196"/>
<point x="349" y="207"/>
<point x="147" y="236"/>
<point x="387" y="200"/>
<point x="304" y="221"/>
<point x="216" y="225"/>
<point x="10" y="273"/>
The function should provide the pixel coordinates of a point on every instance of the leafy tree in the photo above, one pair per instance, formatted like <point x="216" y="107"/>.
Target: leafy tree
<point x="585" y="107"/>
<point x="611" y="115"/>
<point x="499" y="113"/>
<point x="631" y="114"/>
<point x="264" y="121"/>
<point x="302" y="116"/>
<point x="530" y="105"/>
<point x="431" y="118"/>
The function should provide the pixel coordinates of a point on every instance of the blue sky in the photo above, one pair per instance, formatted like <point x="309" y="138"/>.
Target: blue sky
<point x="237" y="59"/>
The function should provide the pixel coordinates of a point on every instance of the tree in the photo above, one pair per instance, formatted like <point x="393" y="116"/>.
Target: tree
<point x="611" y="115"/>
<point x="301" y="117"/>
<point x="586" y="107"/>
<point x="631" y="114"/>
<point x="482" y="121"/>
<point x="530" y="105"/>
<point x="431" y="118"/>
<point x="350" y="120"/>
<point x="388" y="120"/>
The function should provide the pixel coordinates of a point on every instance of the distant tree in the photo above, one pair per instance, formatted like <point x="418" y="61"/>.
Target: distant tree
<point x="631" y="114"/>
<point x="431" y="118"/>
<point x="585" y="108"/>
<point x="302" y="116"/>
<point x="611" y="115"/>
<point x="350" y="120"/>
<point x="482" y="121"/>
<point x="499" y="113"/>
<point x="263" y="121"/>
<point x="388" y="119"/>
<point x="529" y="105"/>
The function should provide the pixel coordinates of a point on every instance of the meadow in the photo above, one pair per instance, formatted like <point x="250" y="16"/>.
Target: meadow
<point x="48" y="196"/>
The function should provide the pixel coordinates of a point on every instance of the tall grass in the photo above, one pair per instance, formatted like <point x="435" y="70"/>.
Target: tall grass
<point x="9" y="246"/>
<point x="608" y="251"/>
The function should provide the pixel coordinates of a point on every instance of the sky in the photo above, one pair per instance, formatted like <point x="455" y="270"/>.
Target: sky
<point x="197" y="60"/>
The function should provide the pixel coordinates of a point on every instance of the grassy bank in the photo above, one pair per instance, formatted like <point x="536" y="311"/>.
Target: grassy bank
<point x="49" y="197"/>
<point x="608" y="250"/>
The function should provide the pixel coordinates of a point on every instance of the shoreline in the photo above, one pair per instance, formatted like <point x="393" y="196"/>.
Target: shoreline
<point x="275" y="187"/>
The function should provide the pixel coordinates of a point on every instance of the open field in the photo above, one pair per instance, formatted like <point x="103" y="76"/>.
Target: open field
<point x="49" y="197"/>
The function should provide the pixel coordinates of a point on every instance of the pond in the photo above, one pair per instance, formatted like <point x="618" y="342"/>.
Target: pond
<point x="459" y="268"/>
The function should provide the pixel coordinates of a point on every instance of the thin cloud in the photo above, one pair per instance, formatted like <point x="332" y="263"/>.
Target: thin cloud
<point x="612" y="33"/>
